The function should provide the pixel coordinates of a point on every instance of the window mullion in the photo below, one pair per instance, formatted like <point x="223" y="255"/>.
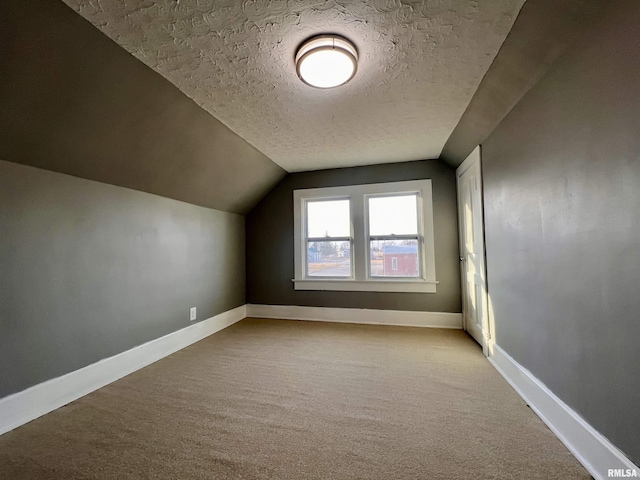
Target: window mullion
<point x="359" y="238"/>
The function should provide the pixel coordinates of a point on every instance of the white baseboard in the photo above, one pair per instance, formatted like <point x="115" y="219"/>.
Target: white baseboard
<point x="597" y="454"/>
<point x="357" y="315"/>
<point x="22" y="407"/>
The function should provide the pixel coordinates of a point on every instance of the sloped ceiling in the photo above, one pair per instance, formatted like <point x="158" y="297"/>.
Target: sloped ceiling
<point x="542" y="32"/>
<point x="72" y="101"/>
<point x="420" y="64"/>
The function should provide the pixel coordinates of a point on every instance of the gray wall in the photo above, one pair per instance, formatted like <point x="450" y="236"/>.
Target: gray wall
<point x="270" y="263"/>
<point x="75" y="102"/>
<point x="89" y="270"/>
<point x="543" y="30"/>
<point x="562" y="213"/>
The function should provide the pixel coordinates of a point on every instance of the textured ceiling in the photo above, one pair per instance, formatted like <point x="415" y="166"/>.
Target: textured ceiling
<point x="420" y="64"/>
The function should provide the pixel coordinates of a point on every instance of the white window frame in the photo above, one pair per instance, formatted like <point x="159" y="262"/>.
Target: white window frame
<point x="360" y="279"/>
<point x="394" y="263"/>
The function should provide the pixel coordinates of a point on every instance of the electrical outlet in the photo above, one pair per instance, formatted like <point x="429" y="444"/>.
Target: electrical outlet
<point x="192" y="314"/>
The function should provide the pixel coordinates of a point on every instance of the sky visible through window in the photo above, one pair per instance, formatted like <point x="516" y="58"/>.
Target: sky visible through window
<point x="328" y="218"/>
<point x="396" y="215"/>
<point x="388" y="215"/>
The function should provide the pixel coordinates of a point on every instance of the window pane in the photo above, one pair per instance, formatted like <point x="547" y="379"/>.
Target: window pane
<point x="392" y="258"/>
<point x="329" y="259"/>
<point x="329" y="218"/>
<point x="396" y="215"/>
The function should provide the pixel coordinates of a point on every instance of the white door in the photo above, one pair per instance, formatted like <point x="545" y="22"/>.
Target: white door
<point x="472" y="262"/>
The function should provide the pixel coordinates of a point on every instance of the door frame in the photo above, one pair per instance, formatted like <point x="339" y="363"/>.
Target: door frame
<point x="474" y="158"/>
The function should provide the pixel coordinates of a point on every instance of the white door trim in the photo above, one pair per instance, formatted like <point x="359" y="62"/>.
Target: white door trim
<point x="474" y="160"/>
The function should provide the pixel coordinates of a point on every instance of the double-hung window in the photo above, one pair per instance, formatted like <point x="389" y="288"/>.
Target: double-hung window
<point x="328" y="238"/>
<point x="375" y="237"/>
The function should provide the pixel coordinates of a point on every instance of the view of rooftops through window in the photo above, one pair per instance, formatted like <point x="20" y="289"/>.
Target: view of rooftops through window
<point x="392" y="235"/>
<point x="329" y="238"/>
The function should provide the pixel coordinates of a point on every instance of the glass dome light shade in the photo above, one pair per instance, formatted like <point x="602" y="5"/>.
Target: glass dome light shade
<point x="326" y="61"/>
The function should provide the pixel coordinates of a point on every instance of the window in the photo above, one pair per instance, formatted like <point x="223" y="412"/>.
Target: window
<point x="376" y="237"/>
<point x="393" y="235"/>
<point x="328" y="238"/>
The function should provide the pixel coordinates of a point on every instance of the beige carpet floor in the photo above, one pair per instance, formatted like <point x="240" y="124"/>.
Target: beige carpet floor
<point x="271" y="399"/>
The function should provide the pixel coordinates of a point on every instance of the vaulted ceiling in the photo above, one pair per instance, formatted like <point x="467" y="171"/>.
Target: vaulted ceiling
<point x="198" y="100"/>
<point x="420" y="64"/>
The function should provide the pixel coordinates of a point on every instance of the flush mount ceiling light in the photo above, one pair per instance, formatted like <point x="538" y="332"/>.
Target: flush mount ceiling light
<point x="326" y="61"/>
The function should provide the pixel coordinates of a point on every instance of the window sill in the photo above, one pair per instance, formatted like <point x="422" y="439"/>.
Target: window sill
<point x="411" y="286"/>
